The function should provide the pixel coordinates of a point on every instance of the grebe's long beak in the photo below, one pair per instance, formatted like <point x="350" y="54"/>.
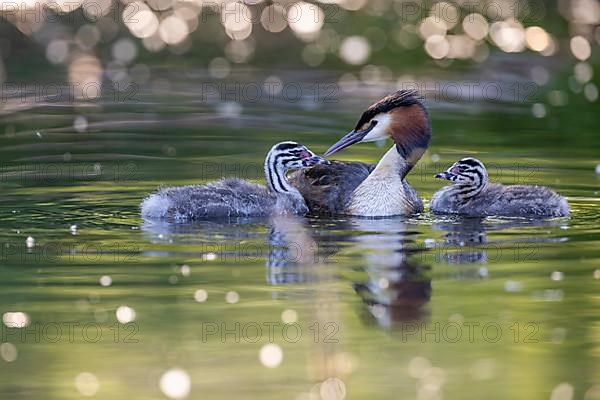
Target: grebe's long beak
<point x="348" y="140"/>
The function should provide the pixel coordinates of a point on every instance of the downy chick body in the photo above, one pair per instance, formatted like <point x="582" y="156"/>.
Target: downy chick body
<point x="234" y="197"/>
<point x="471" y="194"/>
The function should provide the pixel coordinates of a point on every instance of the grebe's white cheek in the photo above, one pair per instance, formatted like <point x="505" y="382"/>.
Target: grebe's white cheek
<point x="380" y="131"/>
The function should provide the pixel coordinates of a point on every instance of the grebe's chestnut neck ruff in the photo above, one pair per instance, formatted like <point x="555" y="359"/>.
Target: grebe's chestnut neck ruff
<point x="233" y="197"/>
<point x="400" y="116"/>
<point x="471" y="194"/>
<point x="358" y="189"/>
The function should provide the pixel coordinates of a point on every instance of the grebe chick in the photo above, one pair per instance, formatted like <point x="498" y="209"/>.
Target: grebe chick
<point x="233" y="197"/>
<point x="472" y="195"/>
<point x="355" y="188"/>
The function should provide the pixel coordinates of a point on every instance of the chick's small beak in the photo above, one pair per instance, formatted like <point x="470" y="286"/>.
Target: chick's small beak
<point x="351" y="138"/>
<point x="448" y="174"/>
<point x="315" y="160"/>
<point x="444" y="175"/>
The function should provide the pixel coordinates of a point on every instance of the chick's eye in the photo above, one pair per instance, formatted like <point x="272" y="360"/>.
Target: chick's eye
<point x="304" y="154"/>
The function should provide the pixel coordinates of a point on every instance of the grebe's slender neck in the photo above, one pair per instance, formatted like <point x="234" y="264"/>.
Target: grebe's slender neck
<point x="275" y="174"/>
<point x="384" y="192"/>
<point x="393" y="164"/>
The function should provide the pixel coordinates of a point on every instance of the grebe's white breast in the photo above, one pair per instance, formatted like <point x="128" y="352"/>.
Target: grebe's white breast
<point x="384" y="192"/>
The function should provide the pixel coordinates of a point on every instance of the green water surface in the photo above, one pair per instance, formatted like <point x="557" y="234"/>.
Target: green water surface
<point x="422" y="307"/>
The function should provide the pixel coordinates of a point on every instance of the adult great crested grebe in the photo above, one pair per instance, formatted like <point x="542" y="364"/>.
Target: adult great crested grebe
<point x="472" y="195"/>
<point x="233" y="197"/>
<point x="360" y="189"/>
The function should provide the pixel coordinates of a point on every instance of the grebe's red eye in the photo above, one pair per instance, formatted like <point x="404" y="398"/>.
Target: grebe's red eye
<point x="455" y="170"/>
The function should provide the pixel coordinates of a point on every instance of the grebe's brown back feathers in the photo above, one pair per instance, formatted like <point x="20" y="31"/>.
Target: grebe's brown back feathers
<point x="326" y="188"/>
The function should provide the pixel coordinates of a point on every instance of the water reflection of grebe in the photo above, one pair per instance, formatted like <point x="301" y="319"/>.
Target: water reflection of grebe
<point x="291" y="250"/>
<point x="396" y="287"/>
<point x="462" y="242"/>
<point x="466" y="240"/>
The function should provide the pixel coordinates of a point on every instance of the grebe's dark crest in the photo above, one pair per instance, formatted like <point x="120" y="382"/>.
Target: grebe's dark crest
<point x="400" y="116"/>
<point x="233" y="197"/>
<point x="471" y="194"/>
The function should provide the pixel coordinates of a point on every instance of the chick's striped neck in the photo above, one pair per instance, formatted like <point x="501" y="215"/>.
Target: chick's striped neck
<point x="275" y="170"/>
<point x="476" y="179"/>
